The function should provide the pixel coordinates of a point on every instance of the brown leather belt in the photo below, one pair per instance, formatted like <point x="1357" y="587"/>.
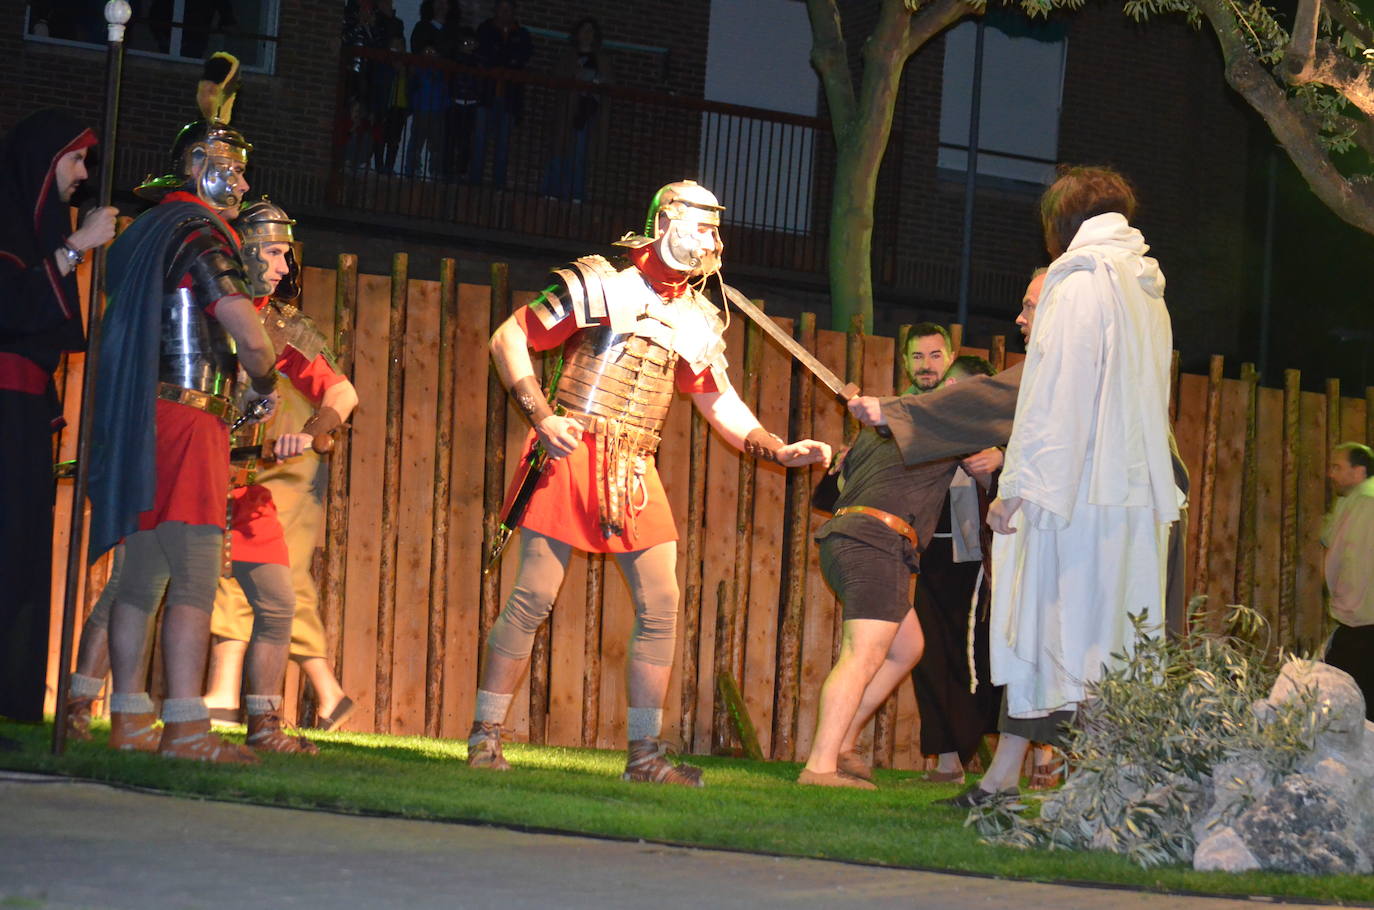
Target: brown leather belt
<point x="222" y="408"/>
<point x="887" y="518"/>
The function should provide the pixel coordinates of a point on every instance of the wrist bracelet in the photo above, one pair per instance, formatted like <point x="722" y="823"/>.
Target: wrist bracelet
<point x="74" y="256"/>
<point x="266" y="384"/>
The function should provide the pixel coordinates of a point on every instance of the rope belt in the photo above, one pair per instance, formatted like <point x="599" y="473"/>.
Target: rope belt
<point x="887" y="518"/>
<point x="222" y="408"/>
<point x="623" y="451"/>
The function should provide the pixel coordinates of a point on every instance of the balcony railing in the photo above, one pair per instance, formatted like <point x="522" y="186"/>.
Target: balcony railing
<point x="523" y="153"/>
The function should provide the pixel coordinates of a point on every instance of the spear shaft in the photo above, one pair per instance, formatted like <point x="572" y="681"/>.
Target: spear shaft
<point x="117" y="14"/>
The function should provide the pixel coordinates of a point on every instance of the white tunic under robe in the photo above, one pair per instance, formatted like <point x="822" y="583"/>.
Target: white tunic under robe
<point x="1089" y="458"/>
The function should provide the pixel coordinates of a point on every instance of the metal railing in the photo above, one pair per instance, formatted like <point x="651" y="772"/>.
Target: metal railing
<point x="530" y="154"/>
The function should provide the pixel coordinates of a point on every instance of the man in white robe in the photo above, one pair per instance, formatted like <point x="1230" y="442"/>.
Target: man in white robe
<point x="1087" y="492"/>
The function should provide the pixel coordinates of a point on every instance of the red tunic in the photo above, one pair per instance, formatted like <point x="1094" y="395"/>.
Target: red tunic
<point x="192" y="455"/>
<point x="564" y="505"/>
<point x="255" y="531"/>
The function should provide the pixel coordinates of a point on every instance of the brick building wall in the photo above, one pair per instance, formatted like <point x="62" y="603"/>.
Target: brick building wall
<point x="1147" y="99"/>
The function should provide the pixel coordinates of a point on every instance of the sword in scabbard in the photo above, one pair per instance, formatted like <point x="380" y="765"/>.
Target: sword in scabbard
<point x="530" y="471"/>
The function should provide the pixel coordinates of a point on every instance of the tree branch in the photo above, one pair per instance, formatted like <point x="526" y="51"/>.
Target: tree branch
<point x="1302" y="45"/>
<point x="933" y="19"/>
<point x="1352" y="203"/>
<point x="831" y="63"/>
<point x="1336" y="10"/>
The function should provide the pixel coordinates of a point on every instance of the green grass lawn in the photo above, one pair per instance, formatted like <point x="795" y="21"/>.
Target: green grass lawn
<point x="751" y="806"/>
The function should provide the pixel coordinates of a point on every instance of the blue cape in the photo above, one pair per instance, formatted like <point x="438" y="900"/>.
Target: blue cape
<point x="123" y="478"/>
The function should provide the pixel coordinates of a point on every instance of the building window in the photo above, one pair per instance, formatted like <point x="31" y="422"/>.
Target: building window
<point x="1021" y="94"/>
<point x="177" y="29"/>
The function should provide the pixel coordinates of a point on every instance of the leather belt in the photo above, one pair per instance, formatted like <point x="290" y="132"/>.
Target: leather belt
<point x="641" y="439"/>
<point x="887" y="518"/>
<point x="222" y="408"/>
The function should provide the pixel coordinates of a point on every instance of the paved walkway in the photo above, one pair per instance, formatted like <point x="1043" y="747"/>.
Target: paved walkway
<point x="66" y="844"/>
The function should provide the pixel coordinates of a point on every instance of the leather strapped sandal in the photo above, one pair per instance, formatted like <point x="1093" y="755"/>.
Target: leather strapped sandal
<point x="134" y="732"/>
<point x="79" y="719"/>
<point x="192" y="740"/>
<point x="341" y="713"/>
<point x="267" y="733"/>
<point x="648" y="763"/>
<point x="484" y="747"/>
<point x="1047" y="776"/>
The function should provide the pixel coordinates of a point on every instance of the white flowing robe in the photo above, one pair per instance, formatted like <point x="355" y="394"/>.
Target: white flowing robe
<point x="1089" y="458"/>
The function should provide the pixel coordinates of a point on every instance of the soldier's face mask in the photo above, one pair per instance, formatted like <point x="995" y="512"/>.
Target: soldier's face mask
<point x="221" y="182"/>
<point x="691" y="242"/>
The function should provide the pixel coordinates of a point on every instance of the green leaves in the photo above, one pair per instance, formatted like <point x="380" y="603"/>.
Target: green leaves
<point x="1145" y="746"/>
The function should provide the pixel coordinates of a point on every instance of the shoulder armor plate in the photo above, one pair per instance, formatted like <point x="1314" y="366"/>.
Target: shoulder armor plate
<point x="288" y="327"/>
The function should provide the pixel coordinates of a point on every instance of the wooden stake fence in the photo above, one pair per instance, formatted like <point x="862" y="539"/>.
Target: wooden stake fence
<point x="417" y="483"/>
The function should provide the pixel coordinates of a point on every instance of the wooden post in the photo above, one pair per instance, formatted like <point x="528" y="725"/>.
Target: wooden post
<point x="720" y="717"/>
<point x="732" y="622"/>
<point x="334" y="583"/>
<point x="1289" y="545"/>
<point x="1246" y="536"/>
<point x="494" y="478"/>
<point x="1335" y="434"/>
<point x="899" y="377"/>
<point x="956" y="337"/>
<point x="591" y="649"/>
<point x="1369" y="415"/>
<point x="997" y="354"/>
<point x="439" y="541"/>
<point x="787" y="688"/>
<point x="853" y="372"/>
<point x="1208" y="484"/>
<point x="691" y="601"/>
<point x="391" y="491"/>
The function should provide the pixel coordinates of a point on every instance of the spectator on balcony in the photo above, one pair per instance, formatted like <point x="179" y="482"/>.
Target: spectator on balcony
<point x="580" y="118"/>
<point x="391" y="97"/>
<point x="389" y="24"/>
<point x="428" y="107"/>
<point x="435" y="29"/>
<point x="502" y="44"/>
<point x="465" y="94"/>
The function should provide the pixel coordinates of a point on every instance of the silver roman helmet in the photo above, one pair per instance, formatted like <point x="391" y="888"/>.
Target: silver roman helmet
<point x="209" y="143"/>
<point x="259" y="224"/>
<point x="673" y="227"/>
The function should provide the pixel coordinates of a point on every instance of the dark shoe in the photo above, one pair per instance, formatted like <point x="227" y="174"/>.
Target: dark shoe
<point x="484" y="747"/>
<point x="833" y="779"/>
<point x="975" y="795"/>
<point x="333" y="719"/>
<point x="267" y="733"/>
<point x="648" y="763"/>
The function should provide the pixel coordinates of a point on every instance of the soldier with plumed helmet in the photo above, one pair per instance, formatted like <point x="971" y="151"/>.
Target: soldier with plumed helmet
<point x="179" y="324"/>
<point x="631" y="336"/>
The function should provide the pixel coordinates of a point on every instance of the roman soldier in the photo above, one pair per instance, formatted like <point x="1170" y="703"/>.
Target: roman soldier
<point x="630" y="335"/>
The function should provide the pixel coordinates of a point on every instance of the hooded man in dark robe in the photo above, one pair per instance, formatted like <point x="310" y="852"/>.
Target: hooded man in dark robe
<point x="42" y="163"/>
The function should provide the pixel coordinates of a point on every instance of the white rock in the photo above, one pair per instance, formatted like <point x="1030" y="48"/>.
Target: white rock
<point x="1224" y="851"/>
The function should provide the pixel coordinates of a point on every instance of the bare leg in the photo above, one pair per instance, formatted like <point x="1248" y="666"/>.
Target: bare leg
<point x="93" y="654"/>
<point x="904" y="653"/>
<point x="128" y="640"/>
<point x="862" y="652"/>
<point x="185" y="634"/>
<point x="226" y="673"/>
<point x="328" y="692"/>
<point x="1005" y="770"/>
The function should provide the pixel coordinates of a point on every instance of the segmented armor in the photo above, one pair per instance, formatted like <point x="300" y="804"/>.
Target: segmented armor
<point x="618" y="371"/>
